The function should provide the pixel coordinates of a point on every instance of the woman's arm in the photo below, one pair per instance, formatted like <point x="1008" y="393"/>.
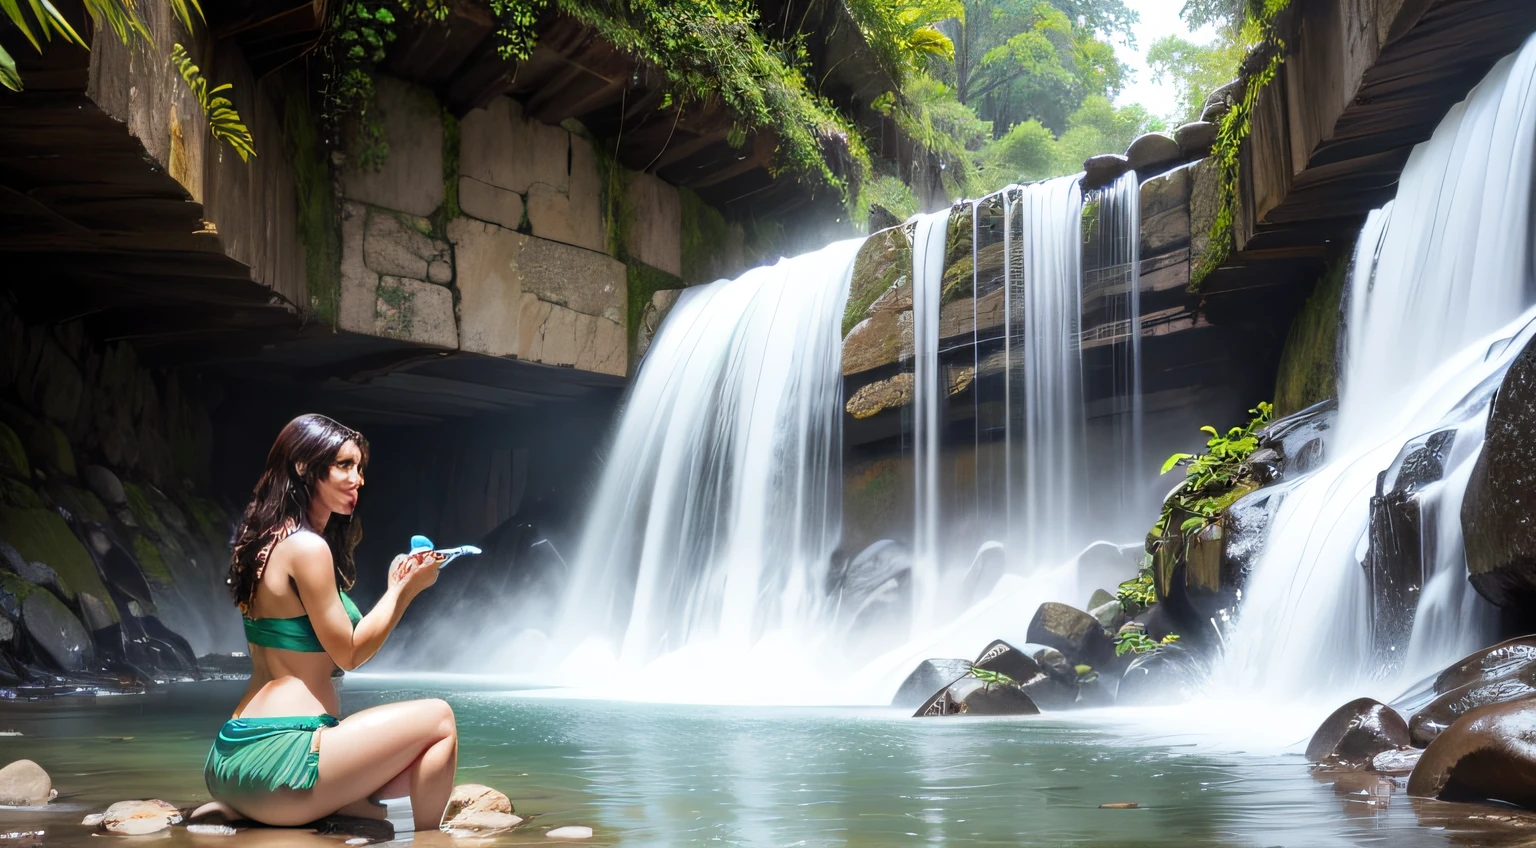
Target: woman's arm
<point x="315" y="575"/>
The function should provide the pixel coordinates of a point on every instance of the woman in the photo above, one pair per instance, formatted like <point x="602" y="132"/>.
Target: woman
<point x="283" y="759"/>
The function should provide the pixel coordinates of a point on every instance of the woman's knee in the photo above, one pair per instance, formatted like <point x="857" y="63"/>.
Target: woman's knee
<point x="438" y="711"/>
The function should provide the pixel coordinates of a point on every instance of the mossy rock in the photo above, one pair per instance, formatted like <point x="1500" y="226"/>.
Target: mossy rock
<point x="51" y="449"/>
<point x="16" y="494"/>
<point x="79" y="502"/>
<point x="151" y="563"/>
<point x="211" y="521"/>
<point x="13" y="457"/>
<point x="1309" y="362"/>
<point x="15" y="586"/>
<point x="881" y="263"/>
<point x="143" y="511"/>
<point x="40" y="535"/>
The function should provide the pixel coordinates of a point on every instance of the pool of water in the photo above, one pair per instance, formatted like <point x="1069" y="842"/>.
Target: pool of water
<point x="667" y="775"/>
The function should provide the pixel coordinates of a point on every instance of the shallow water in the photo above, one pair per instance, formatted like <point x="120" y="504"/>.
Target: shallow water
<point x="655" y="774"/>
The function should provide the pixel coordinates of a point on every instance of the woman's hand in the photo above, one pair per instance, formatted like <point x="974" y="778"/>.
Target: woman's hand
<point x="412" y="573"/>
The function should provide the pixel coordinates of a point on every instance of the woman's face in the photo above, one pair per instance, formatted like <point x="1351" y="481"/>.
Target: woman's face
<point x="337" y="490"/>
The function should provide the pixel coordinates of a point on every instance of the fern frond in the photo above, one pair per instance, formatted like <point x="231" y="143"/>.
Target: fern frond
<point x="224" y="123"/>
<point x="8" y="76"/>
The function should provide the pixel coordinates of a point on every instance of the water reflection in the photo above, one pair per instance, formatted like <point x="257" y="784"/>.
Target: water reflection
<point x="664" y="775"/>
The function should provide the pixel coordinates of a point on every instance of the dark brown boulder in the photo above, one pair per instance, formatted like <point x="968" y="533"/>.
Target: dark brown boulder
<point x="970" y="696"/>
<point x="1446" y="709"/>
<point x="1490" y="663"/>
<point x="1075" y="633"/>
<point x="1356" y="732"/>
<point x="1037" y="681"/>
<point x="929" y="677"/>
<point x="1489" y="754"/>
<point x="1495" y="514"/>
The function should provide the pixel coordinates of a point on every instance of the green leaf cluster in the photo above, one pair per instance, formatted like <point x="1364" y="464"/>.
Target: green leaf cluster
<point x="993" y="677"/>
<point x="1140" y="592"/>
<point x="1210" y="476"/>
<point x="1138" y="642"/>
<point x="224" y="122"/>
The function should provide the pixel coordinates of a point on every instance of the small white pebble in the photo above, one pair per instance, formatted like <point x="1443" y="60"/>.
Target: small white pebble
<point x="571" y="832"/>
<point x="10" y="732"/>
<point x="22" y="834"/>
<point x="93" y="819"/>
<point x="211" y="829"/>
<point x="358" y="840"/>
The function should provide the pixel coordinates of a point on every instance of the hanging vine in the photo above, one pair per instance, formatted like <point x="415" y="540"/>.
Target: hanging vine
<point x="1262" y="29"/>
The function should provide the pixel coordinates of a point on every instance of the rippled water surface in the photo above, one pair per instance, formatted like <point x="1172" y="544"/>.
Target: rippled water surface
<point x="649" y="774"/>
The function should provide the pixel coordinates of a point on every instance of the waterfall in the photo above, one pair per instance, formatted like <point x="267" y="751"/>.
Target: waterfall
<point x="718" y="508"/>
<point x="928" y="243"/>
<point x="1437" y="276"/>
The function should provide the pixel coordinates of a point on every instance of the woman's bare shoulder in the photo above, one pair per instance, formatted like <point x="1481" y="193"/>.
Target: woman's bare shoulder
<point x="303" y="548"/>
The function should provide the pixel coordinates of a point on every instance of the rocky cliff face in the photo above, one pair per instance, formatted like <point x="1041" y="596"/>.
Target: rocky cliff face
<point x="112" y="557"/>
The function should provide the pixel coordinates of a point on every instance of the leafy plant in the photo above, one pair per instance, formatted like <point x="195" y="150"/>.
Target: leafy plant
<point x="515" y="20"/>
<point x="1138" y="642"/>
<point x="992" y="677"/>
<point x="1139" y="592"/>
<point x="224" y="122"/>
<point x="1210" y="475"/>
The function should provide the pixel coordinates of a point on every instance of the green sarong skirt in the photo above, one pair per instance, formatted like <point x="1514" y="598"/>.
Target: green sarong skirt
<point x="254" y="755"/>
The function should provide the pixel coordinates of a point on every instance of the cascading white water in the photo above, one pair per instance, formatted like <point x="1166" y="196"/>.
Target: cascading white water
<point x="718" y="510"/>
<point x="1437" y="276"/>
<point x="928" y="242"/>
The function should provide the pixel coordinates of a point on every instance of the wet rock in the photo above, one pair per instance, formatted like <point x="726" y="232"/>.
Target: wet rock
<point x="1053" y="661"/>
<point x="106" y="485"/>
<point x="481" y="823"/>
<point x="1100" y="171"/>
<point x="1495" y="513"/>
<point x="570" y="832"/>
<point x="881" y="218"/>
<point x="1195" y="139"/>
<point x="1490" y="663"/>
<point x="1151" y="152"/>
<point x="1168" y="675"/>
<point x="475" y="798"/>
<point x="1099" y="598"/>
<point x="986" y="569"/>
<point x="1429" y="722"/>
<point x="55" y="630"/>
<point x="1487" y="754"/>
<point x="93" y="820"/>
<point x="24" y="784"/>
<point x="1246" y="527"/>
<point x="1075" y="633"/>
<point x="1110" y="614"/>
<point x="1394" y="562"/>
<point x="136" y="818"/>
<point x="1300" y="438"/>
<point x="1264" y="465"/>
<point x="876" y="397"/>
<point x="7" y="630"/>
<point x="878" y="577"/>
<point x="929" y="677"/>
<point x="969" y="696"/>
<point x="1356" y="732"/>
<point x="1228" y="95"/>
<point x="1044" y="688"/>
<point x="94" y="612"/>
<point x="1400" y="761"/>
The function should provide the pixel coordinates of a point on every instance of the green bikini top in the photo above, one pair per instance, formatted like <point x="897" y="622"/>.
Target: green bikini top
<point x="293" y="634"/>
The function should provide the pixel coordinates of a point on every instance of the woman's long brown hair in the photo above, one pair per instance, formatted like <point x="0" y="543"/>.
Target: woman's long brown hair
<point x="280" y="503"/>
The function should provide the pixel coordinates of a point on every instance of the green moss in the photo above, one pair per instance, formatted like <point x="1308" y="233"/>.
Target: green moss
<point x="644" y="282"/>
<point x="882" y="262"/>
<point x="14" y="493"/>
<point x="1310" y="361"/>
<point x="13" y="457"/>
<point x="1235" y="127"/>
<point x="51" y="449"/>
<point x="150" y="562"/>
<point x="18" y="587"/>
<point x="40" y="535"/>
<point x="78" y="501"/>
<point x="319" y="220"/>
<point x="613" y="200"/>
<point x="211" y="521"/>
<point x="449" y="209"/>
<point x="959" y="280"/>
<point x="143" y="511"/>
<point x="705" y="234"/>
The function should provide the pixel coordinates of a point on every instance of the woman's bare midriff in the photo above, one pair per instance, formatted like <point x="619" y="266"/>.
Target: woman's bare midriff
<point x="289" y="683"/>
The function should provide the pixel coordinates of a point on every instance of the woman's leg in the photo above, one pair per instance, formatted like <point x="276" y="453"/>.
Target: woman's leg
<point x="364" y="754"/>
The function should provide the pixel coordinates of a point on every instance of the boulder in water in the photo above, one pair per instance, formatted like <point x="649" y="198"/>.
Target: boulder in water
<point x="1495" y="513"/>
<point x="136" y="818"/>
<point x="1356" y="732"/>
<point x="475" y="798"/>
<point x="106" y="485"/>
<point x="1168" y="675"/>
<point x="877" y="577"/>
<point x="1110" y="614"/>
<point x="1487" y="754"/>
<point x="480" y="823"/>
<point x="970" y="696"/>
<point x="929" y="677"/>
<point x="25" y="784"/>
<point x="1075" y="633"/>
<point x="1044" y="688"/>
<point x="1397" y="761"/>
<point x="1490" y="663"/>
<point x="1447" y="708"/>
